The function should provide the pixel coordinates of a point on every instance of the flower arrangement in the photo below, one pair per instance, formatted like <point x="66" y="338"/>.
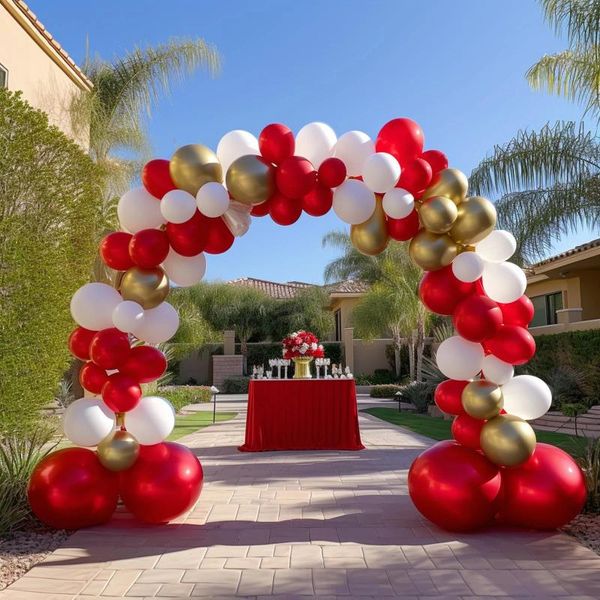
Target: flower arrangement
<point x="302" y="344"/>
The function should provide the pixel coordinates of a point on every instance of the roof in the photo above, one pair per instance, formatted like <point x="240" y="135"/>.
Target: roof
<point x="289" y="289"/>
<point x="571" y="252"/>
<point x="350" y="286"/>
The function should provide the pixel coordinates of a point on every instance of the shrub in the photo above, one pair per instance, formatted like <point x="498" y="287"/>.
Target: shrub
<point x="419" y="394"/>
<point x="385" y="391"/>
<point x="259" y="354"/>
<point x="590" y="463"/>
<point x="182" y="395"/>
<point x="235" y="385"/>
<point x="379" y="377"/>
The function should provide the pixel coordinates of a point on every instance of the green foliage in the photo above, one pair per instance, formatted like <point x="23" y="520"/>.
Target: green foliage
<point x="385" y="391"/>
<point x="590" y="463"/>
<point x="419" y="394"/>
<point x="48" y="197"/>
<point x="379" y="377"/>
<point x="260" y="353"/>
<point x="182" y="395"/>
<point x="186" y="424"/>
<point x="235" y="385"/>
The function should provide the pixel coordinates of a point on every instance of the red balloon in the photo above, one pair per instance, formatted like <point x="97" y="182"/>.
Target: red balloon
<point x="219" y="238"/>
<point x="148" y="248"/>
<point x="109" y="348"/>
<point x="92" y="377"/>
<point x="332" y="172"/>
<point x="403" y="229"/>
<point x="415" y="177"/>
<point x="144" y="363"/>
<point x="520" y="312"/>
<point x="121" y="392"/>
<point x="164" y="482"/>
<point x="79" y="342"/>
<point x="189" y="238"/>
<point x="156" y="177"/>
<point x="276" y="143"/>
<point x="283" y="210"/>
<point x="546" y="492"/>
<point x="512" y="344"/>
<point x="477" y="318"/>
<point x="295" y="177"/>
<point x="448" y="396"/>
<point x="454" y="487"/>
<point x="441" y="291"/>
<point x="437" y="160"/>
<point x="70" y="489"/>
<point x="261" y="210"/>
<point x="318" y="201"/>
<point x="402" y="138"/>
<point x="114" y="250"/>
<point x="466" y="430"/>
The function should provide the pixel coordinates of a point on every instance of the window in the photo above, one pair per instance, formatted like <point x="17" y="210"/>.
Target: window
<point x="545" y="309"/>
<point x="338" y="325"/>
<point x="3" y="77"/>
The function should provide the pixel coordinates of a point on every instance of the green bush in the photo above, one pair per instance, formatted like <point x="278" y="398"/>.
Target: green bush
<point x="385" y="391"/>
<point x="590" y="463"/>
<point x="379" y="377"/>
<point x="259" y="354"/>
<point x="235" y="385"/>
<point x="182" y="395"/>
<point x="49" y="191"/>
<point x="419" y="394"/>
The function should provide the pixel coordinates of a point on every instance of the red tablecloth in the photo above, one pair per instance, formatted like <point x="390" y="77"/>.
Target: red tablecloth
<point x="302" y="414"/>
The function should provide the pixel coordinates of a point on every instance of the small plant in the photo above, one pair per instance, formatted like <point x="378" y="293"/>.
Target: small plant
<point x="419" y="394"/>
<point x="574" y="410"/>
<point x="568" y="385"/>
<point x="235" y="385"/>
<point x="590" y="463"/>
<point x="432" y="376"/>
<point x="379" y="377"/>
<point x="385" y="391"/>
<point x="64" y="396"/>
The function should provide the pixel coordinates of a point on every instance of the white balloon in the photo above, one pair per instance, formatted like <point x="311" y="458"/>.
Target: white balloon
<point x="126" y="315"/>
<point x="468" y="267"/>
<point x="353" y="202"/>
<point x="458" y="358"/>
<point x="234" y="144"/>
<point x="184" y="270"/>
<point x="178" y="206"/>
<point x="527" y="397"/>
<point x="158" y="324"/>
<point x="498" y="246"/>
<point x="88" y="421"/>
<point x="212" y="199"/>
<point x="151" y="421"/>
<point x="503" y="282"/>
<point x="138" y="209"/>
<point x="497" y="371"/>
<point x="398" y="203"/>
<point x="92" y="305"/>
<point x="315" y="141"/>
<point x="353" y="148"/>
<point x="381" y="172"/>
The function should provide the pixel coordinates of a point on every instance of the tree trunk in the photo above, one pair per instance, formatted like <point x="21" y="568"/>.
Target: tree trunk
<point x="411" y="355"/>
<point x="397" y="355"/>
<point x="244" y="353"/>
<point x="420" y="348"/>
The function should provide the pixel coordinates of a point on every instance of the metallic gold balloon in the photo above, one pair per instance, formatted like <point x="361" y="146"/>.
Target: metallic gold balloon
<point x="251" y="179"/>
<point x="194" y="165"/>
<point x="450" y="183"/>
<point x="476" y="219"/>
<point x="147" y="287"/>
<point x="482" y="399"/>
<point x="507" y="440"/>
<point x="432" y="251"/>
<point x="438" y="214"/>
<point x="118" y="451"/>
<point x="371" y="237"/>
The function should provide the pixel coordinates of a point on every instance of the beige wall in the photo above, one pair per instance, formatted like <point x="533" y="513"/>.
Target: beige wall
<point x="370" y="355"/>
<point x="346" y="306"/>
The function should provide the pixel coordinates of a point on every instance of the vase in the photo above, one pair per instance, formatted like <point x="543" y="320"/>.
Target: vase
<point x="302" y="367"/>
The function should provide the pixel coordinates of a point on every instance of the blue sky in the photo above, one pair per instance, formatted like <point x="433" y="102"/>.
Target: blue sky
<point x="455" y="67"/>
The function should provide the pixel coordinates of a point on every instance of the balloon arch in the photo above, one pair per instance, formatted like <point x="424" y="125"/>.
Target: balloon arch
<point x="197" y="203"/>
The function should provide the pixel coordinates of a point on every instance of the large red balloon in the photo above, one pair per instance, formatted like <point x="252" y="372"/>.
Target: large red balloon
<point x="156" y="177"/>
<point x="164" y="482"/>
<point x="448" y="396"/>
<point x="520" y="312"/>
<point x="402" y="138"/>
<point x="441" y="291"/>
<point x="437" y="160"/>
<point x="477" y="318"/>
<point x="295" y="177"/>
<point x="512" y="344"/>
<point x="466" y="430"/>
<point x="114" y="250"/>
<point x="109" y="348"/>
<point x="144" y="363"/>
<point x="546" y="492"/>
<point x="218" y="238"/>
<point x="415" y="177"/>
<point x="318" y="201"/>
<point x="332" y="172"/>
<point x="70" y="489"/>
<point x="189" y="238"/>
<point x="405" y="229"/>
<point x="283" y="210"/>
<point x="92" y="377"/>
<point x="260" y="210"/>
<point x="276" y="143"/>
<point x="454" y="487"/>
<point x="79" y="342"/>
<point x="121" y="392"/>
<point x="148" y="248"/>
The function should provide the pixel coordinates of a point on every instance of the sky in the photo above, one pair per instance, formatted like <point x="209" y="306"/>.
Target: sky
<point x="457" y="68"/>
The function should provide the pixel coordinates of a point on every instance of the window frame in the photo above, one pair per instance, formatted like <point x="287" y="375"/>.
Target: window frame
<point x="4" y="71"/>
<point x="550" y="307"/>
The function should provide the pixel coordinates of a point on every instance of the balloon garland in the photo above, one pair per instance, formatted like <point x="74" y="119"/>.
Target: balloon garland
<point x="198" y="203"/>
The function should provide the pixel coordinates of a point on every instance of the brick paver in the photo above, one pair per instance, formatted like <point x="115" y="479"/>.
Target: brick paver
<point x="317" y="524"/>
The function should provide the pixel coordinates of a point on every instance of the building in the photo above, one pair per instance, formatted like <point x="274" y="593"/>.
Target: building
<point x="33" y="62"/>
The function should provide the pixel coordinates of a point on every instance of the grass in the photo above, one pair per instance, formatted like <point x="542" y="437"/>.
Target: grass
<point x="439" y="429"/>
<point x="185" y="424"/>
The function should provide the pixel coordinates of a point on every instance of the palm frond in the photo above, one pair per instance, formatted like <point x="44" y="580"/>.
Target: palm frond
<point x="580" y="19"/>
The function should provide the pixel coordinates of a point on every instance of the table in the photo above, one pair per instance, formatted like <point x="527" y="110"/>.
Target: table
<point x="302" y="414"/>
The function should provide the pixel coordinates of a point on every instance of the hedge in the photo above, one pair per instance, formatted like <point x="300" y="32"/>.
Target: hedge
<point x="49" y="192"/>
<point x="259" y="354"/>
<point x="182" y="395"/>
<point x="235" y="385"/>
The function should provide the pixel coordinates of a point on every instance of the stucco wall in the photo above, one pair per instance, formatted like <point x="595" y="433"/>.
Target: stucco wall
<point x="590" y="294"/>
<point x="569" y="286"/>
<point x="370" y="355"/>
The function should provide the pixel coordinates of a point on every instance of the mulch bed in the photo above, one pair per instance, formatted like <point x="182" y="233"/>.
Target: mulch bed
<point x="586" y="529"/>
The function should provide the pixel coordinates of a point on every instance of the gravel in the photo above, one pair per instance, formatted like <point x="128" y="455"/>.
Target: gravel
<point x="586" y="529"/>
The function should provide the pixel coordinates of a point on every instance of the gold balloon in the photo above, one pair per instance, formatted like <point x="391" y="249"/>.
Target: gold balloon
<point x="432" y="251"/>
<point x="476" y="219"/>
<point x="118" y="451"/>
<point x="507" y="440"/>
<point x="194" y="165"/>
<point x="450" y="183"/>
<point x="371" y="237"/>
<point x="438" y="214"/>
<point x="482" y="399"/>
<point x="147" y="287"/>
<point x="251" y="179"/>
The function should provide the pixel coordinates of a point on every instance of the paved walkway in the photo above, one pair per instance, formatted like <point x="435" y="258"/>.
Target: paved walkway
<point x="297" y="524"/>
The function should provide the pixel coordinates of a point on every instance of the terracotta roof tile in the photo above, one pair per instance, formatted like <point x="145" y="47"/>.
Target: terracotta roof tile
<point x="289" y="289"/>
<point x="576" y="250"/>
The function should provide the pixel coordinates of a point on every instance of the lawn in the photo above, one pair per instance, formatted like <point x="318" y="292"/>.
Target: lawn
<point x="439" y="429"/>
<point x="185" y="424"/>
